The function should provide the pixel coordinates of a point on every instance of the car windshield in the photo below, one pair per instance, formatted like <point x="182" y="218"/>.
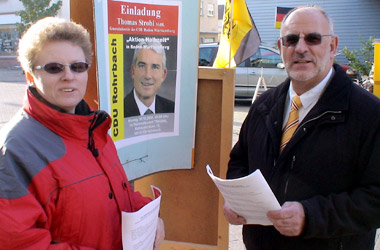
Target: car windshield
<point x="205" y="56"/>
<point x="263" y="58"/>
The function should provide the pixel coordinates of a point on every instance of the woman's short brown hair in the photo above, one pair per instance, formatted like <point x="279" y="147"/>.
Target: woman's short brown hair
<point x="47" y="30"/>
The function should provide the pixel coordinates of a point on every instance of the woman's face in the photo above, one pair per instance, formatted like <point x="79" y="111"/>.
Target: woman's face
<point x="66" y="88"/>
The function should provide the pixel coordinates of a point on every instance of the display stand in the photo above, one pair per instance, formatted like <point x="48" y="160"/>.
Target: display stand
<point x="81" y="11"/>
<point x="191" y="205"/>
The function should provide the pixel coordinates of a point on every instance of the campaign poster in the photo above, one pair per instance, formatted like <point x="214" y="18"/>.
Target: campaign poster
<point x="143" y="55"/>
<point x="139" y="55"/>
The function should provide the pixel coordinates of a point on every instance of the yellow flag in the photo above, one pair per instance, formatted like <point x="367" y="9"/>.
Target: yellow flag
<point x="239" y="41"/>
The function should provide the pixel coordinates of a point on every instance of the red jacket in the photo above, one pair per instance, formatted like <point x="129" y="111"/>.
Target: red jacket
<point x="62" y="185"/>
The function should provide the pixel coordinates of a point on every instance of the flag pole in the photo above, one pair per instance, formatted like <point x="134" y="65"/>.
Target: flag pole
<point x="230" y="31"/>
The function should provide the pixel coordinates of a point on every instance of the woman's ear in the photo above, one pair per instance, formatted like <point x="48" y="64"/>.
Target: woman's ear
<point x="29" y="79"/>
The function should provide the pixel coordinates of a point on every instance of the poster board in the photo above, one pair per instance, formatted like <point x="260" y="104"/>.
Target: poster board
<point x="193" y="209"/>
<point x="191" y="205"/>
<point x="141" y="49"/>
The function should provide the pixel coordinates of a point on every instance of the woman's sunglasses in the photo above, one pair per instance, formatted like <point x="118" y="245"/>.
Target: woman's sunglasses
<point x="55" y="68"/>
<point x="310" y="39"/>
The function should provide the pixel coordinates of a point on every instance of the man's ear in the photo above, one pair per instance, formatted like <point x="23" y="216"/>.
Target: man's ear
<point x="164" y="73"/>
<point x="29" y="78"/>
<point x="334" y="45"/>
<point x="279" y="45"/>
<point x="132" y="70"/>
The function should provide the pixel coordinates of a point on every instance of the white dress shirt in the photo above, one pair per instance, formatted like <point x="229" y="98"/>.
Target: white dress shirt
<point x="142" y="107"/>
<point x="308" y="99"/>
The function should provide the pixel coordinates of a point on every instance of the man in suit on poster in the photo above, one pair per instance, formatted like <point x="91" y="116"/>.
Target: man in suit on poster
<point x="148" y="72"/>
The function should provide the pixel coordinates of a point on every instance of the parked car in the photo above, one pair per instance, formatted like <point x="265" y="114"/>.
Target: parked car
<point x="266" y="59"/>
<point x="355" y="76"/>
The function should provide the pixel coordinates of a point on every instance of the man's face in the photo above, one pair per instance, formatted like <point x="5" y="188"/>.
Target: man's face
<point x="307" y="64"/>
<point x="148" y="74"/>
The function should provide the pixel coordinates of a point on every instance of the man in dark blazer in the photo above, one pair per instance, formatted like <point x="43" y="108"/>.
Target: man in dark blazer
<point x="327" y="175"/>
<point x="148" y="71"/>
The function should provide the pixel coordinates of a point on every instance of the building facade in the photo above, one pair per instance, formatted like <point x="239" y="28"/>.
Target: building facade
<point x="8" y="32"/>
<point x="9" y="35"/>
<point x="208" y="21"/>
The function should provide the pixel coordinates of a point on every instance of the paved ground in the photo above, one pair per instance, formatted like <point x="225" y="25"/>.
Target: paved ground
<point x="12" y="89"/>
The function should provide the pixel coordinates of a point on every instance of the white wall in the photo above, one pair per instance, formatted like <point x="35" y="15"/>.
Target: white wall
<point x="9" y="7"/>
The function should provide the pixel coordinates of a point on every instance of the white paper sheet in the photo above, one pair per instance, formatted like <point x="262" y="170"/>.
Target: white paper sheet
<point x="139" y="228"/>
<point x="249" y="196"/>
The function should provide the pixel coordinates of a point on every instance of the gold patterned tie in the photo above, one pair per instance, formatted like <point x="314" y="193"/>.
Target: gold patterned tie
<point x="292" y="123"/>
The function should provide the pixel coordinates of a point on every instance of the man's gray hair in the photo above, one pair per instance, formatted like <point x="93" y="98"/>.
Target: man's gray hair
<point x="155" y="46"/>
<point x="315" y="7"/>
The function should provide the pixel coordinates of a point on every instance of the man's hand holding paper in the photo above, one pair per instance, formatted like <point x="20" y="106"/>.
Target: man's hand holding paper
<point x="289" y="220"/>
<point x="232" y="217"/>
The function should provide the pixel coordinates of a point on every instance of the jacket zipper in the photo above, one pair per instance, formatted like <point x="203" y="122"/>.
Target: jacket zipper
<point x="317" y="117"/>
<point x="294" y="157"/>
<point x="291" y="169"/>
<point x="91" y="142"/>
<point x="341" y="246"/>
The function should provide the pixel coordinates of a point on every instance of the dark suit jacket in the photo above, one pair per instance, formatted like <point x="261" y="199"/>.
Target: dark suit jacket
<point x="163" y="105"/>
<point x="331" y="166"/>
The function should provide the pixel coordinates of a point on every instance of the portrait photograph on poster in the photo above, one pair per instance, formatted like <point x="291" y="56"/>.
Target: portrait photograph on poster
<point x="148" y="35"/>
<point x="150" y="85"/>
<point x="149" y="96"/>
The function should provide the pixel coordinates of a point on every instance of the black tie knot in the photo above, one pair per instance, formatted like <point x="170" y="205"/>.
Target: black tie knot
<point x="148" y="112"/>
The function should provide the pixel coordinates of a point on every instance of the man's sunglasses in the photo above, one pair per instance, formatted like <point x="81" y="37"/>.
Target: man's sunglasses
<point x="55" y="67"/>
<point x="310" y="39"/>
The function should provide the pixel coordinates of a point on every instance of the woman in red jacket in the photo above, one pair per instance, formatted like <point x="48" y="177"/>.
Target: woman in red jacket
<point x="61" y="182"/>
